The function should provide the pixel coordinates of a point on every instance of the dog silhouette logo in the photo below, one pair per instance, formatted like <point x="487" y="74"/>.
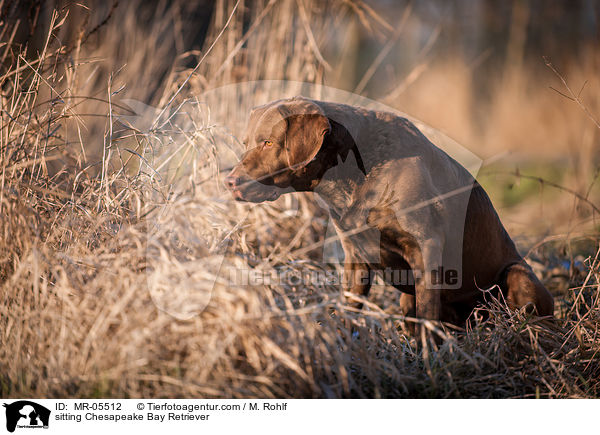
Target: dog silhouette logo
<point x="26" y="414"/>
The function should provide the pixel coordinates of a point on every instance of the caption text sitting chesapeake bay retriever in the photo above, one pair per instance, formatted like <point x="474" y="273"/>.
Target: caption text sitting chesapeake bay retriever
<point x="397" y="202"/>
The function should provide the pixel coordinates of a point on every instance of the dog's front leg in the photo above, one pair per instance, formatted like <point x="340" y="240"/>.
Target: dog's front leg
<point x="357" y="280"/>
<point x="357" y="277"/>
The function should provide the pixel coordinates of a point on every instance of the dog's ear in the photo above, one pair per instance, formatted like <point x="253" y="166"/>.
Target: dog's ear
<point x="304" y="137"/>
<point x="256" y="112"/>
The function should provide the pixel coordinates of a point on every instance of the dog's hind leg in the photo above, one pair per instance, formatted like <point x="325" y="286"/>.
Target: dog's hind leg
<point x="523" y="289"/>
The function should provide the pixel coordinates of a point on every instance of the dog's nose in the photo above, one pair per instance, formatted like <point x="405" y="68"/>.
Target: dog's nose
<point x="231" y="181"/>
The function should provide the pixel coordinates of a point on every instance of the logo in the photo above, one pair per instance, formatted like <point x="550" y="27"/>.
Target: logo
<point x="26" y="414"/>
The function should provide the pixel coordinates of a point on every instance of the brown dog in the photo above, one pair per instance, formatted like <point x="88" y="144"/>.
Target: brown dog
<point x="398" y="204"/>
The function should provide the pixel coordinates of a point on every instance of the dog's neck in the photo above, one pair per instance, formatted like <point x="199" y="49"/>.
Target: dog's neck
<point x="341" y="171"/>
<point x="337" y="194"/>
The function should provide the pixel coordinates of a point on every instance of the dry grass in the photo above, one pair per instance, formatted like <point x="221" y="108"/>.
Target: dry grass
<point x="112" y="230"/>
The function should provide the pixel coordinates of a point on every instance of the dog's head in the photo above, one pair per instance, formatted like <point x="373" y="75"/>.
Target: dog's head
<point x="282" y="140"/>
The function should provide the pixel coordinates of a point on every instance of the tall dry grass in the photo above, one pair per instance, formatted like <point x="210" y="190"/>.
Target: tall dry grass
<point x="113" y="225"/>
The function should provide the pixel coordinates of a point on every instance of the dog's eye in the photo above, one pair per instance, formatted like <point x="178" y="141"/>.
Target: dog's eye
<point x="267" y="143"/>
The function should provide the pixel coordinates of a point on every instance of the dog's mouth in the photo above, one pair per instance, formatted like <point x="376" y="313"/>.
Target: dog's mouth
<point x="256" y="192"/>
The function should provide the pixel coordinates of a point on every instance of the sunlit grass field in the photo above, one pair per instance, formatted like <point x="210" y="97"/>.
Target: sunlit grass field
<point x="114" y="220"/>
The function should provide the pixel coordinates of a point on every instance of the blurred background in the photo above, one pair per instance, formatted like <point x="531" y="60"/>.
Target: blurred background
<point x="477" y="70"/>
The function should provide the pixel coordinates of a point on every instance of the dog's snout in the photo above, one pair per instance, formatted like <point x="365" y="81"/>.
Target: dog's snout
<point x="232" y="181"/>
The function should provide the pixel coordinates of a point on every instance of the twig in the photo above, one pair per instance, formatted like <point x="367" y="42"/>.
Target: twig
<point x="244" y="38"/>
<point x="384" y="52"/>
<point x="310" y="36"/>
<point x="197" y="65"/>
<point x="571" y="96"/>
<point x="551" y="184"/>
